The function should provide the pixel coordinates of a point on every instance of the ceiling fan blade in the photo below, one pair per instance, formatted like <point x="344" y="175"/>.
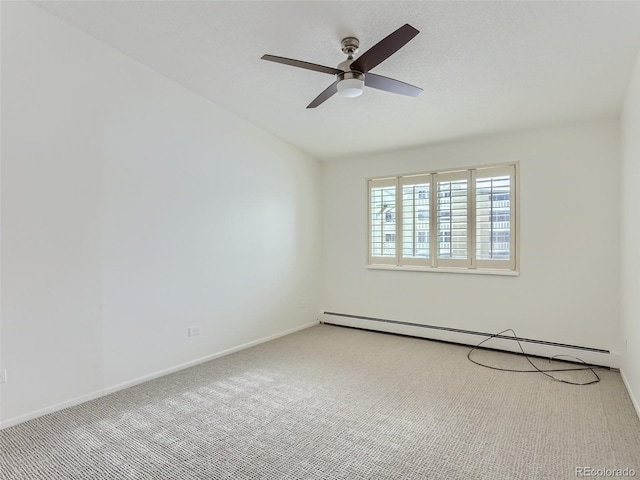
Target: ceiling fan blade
<point x="384" y="49"/>
<point x="328" y="92"/>
<point x="390" y="85"/>
<point x="301" y="64"/>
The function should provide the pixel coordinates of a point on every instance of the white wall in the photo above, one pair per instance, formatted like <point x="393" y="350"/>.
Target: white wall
<point x="629" y="254"/>
<point x="567" y="291"/>
<point x="131" y="210"/>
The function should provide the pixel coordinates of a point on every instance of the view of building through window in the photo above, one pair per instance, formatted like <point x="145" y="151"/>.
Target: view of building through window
<point x="493" y="218"/>
<point x="382" y="221"/>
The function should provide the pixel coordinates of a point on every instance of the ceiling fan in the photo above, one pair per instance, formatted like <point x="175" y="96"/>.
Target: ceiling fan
<point x="352" y="75"/>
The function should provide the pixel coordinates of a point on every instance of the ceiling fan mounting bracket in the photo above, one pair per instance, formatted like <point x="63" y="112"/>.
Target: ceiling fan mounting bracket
<point x="350" y="45"/>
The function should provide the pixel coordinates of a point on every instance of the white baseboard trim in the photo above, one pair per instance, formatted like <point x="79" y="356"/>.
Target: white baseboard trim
<point x="50" y="409"/>
<point x="197" y="361"/>
<point x="595" y="358"/>
<point x="633" y="398"/>
<point x="136" y="381"/>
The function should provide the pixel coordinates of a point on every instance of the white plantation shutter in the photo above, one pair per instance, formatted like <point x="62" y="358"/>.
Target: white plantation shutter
<point x="495" y="217"/>
<point x="382" y="221"/>
<point x="463" y="219"/>
<point x="416" y="220"/>
<point x="452" y="222"/>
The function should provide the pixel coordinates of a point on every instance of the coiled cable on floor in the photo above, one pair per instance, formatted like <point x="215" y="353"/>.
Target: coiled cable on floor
<point x="545" y="372"/>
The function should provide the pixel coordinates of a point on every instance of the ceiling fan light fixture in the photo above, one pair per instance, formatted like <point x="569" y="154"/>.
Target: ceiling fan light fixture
<point x="350" y="84"/>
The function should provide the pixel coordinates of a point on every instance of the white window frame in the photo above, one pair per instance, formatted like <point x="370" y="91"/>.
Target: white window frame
<point x="433" y="263"/>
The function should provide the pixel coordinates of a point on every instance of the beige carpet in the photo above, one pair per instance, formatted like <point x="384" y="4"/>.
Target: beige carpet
<point x="336" y="403"/>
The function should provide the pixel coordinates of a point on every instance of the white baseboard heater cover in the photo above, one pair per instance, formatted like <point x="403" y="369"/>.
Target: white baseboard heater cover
<point x="543" y="348"/>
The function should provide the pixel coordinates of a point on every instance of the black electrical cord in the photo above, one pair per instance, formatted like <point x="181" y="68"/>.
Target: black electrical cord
<point x="537" y="370"/>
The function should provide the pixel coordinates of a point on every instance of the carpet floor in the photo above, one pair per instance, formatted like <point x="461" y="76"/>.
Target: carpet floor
<point x="336" y="403"/>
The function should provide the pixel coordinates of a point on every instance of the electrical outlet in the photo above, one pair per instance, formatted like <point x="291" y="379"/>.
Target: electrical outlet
<point x="3" y="376"/>
<point x="193" y="331"/>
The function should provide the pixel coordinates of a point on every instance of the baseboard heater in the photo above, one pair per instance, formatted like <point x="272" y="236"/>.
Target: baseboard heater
<point x="596" y="356"/>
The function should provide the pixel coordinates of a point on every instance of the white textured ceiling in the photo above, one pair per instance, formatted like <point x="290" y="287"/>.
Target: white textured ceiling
<point x="484" y="66"/>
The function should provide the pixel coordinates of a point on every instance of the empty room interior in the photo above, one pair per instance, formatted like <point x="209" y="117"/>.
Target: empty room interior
<point x="263" y="239"/>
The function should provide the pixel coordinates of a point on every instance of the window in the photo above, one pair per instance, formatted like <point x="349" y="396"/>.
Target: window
<point x="494" y="212"/>
<point x="416" y="218"/>
<point x="467" y="223"/>
<point x="382" y="199"/>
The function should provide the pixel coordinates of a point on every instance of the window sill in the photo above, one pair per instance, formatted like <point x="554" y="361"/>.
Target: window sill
<point x="472" y="271"/>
